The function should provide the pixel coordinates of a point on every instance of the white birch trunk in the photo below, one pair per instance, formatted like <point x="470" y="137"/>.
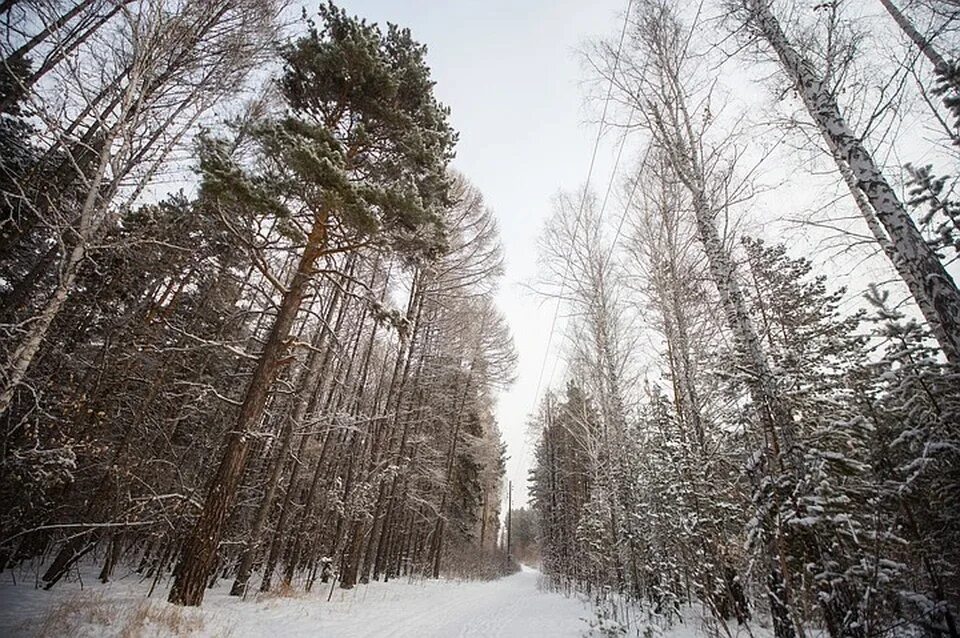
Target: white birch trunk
<point x="922" y="43"/>
<point x="925" y="305"/>
<point x="22" y="357"/>
<point x="681" y="146"/>
<point x="922" y="270"/>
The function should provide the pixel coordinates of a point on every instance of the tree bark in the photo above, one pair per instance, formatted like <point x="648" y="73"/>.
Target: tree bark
<point x="315" y="367"/>
<point x="200" y="551"/>
<point x="922" y="43"/>
<point x="926" y="272"/>
<point x="23" y="355"/>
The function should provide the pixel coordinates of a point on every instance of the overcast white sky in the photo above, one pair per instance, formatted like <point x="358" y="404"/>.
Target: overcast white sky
<point x="511" y="74"/>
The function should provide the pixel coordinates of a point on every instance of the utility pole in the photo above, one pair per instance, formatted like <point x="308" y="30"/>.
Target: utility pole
<point x="509" y="514"/>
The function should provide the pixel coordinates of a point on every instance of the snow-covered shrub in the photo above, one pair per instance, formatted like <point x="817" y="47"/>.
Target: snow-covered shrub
<point x="90" y="615"/>
<point x="464" y="560"/>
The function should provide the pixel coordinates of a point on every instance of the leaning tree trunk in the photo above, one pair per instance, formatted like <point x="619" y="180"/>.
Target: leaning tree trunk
<point x="312" y="376"/>
<point x="925" y="271"/>
<point x="927" y="309"/>
<point x="23" y="355"/>
<point x="925" y="46"/>
<point x="295" y="463"/>
<point x="672" y="123"/>
<point x="60" y="52"/>
<point x="200" y="550"/>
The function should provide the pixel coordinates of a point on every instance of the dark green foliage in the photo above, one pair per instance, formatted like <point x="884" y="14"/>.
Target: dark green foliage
<point x="913" y="404"/>
<point x="947" y="83"/>
<point x="362" y="105"/>
<point x="524" y="537"/>
<point x="940" y="218"/>
<point x="162" y="282"/>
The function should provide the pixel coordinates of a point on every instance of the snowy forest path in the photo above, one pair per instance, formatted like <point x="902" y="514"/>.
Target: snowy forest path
<point x="513" y="606"/>
<point x="510" y="606"/>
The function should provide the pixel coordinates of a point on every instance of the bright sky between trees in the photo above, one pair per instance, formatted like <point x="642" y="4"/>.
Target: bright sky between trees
<point x="512" y="74"/>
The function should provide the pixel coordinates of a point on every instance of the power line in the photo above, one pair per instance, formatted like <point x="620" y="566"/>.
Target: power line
<point x="626" y="210"/>
<point x="603" y="209"/>
<point x="576" y="229"/>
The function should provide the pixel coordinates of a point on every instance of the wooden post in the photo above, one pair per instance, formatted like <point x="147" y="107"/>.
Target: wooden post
<point x="509" y="514"/>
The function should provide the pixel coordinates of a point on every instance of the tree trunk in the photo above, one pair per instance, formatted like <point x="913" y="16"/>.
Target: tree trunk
<point x="276" y="545"/>
<point x="927" y="309"/>
<point x="673" y="124"/>
<point x="200" y="552"/>
<point x="922" y="43"/>
<point x="46" y="32"/>
<point x="925" y="269"/>
<point x="315" y="366"/>
<point x="61" y="52"/>
<point x="23" y="355"/>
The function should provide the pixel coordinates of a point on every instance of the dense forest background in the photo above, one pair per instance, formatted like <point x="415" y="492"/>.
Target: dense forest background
<point x="248" y="324"/>
<point x="247" y="318"/>
<point x="736" y="428"/>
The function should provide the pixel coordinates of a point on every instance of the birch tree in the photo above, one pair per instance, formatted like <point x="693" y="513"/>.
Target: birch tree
<point x="926" y="277"/>
<point x="147" y="95"/>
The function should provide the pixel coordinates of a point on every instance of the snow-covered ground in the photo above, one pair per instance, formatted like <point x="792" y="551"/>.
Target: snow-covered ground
<point x="511" y="606"/>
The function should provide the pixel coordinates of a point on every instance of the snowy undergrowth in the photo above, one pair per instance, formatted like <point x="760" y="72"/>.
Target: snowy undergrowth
<point x="613" y="616"/>
<point x="609" y="614"/>
<point x="83" y="607"/>
<point x="92" y="614"/>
